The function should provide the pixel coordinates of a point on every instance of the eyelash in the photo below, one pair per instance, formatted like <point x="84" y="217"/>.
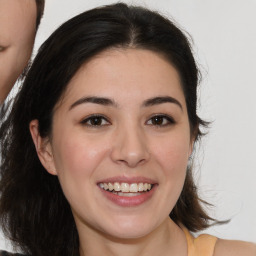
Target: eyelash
<point x="94" y="118"/>
<point x="166" y="119"/>
<point x="96" y="121"/>
<point x="2" y="48"/>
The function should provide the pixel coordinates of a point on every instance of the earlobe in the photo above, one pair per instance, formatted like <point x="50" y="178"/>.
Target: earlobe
<point x="43" y="148"/>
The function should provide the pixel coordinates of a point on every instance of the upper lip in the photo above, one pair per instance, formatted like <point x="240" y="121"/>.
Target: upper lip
<point x="129" y="180"/>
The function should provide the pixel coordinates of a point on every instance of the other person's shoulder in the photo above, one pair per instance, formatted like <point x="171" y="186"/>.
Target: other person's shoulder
<point x="234" y="248"/>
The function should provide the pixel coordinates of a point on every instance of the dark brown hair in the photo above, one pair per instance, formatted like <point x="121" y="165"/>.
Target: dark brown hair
<point x="40" y="11"/>
<point x="34" y="212"/>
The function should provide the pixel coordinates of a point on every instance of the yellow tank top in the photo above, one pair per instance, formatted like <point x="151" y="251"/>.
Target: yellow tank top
<point x="203" y="245"/>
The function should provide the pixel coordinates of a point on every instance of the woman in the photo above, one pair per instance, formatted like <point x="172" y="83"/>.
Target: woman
<point x="19" y="20"/>
<point x="97" y="148"/>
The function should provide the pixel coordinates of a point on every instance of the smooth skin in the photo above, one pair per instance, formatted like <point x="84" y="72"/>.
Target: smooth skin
<point x="121" y="135"/>
<point x="17" y="35"/>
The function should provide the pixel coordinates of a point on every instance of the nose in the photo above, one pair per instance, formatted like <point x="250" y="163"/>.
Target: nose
<point x="130" y="148"/>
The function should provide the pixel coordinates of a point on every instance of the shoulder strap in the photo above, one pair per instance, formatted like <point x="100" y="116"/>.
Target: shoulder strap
<point x="203" y="245"/>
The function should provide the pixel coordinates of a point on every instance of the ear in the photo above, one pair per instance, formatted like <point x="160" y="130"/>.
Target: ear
<point x="194" y="136"/>
<point x="43" y="148"/>
<point x="191" y="148"/>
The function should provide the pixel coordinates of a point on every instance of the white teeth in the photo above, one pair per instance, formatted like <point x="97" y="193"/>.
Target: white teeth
<point x="110" y="186"/>
<point x="117" y="186"/>
<point x="133" y="187"/>
<point x="126" y="187"/>
<point x="141" y="187"/>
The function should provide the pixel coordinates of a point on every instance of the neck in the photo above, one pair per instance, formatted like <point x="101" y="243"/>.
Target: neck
<point x="167" y="239"/>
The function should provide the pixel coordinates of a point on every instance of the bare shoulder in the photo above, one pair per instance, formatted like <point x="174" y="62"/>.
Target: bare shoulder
<point x="234" y="248"/>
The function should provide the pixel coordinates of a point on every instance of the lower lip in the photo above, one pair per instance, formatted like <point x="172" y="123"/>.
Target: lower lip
<point x="129" y="201"/>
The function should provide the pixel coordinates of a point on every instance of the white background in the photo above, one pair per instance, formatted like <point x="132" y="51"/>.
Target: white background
<point x="224" y="40"/>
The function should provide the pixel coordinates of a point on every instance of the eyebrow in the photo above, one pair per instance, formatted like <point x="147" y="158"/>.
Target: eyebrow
<point x="109" y="102"/>
<point x="161" y="100"/>
<point x="95" y="100"/>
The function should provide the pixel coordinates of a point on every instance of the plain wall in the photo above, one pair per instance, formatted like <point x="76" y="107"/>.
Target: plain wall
<point x="224" y="41"/>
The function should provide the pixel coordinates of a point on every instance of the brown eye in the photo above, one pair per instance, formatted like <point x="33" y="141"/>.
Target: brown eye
<point x="157" y="120"/>
<point x="160" y="120"/>
<point x="95" y="121"/>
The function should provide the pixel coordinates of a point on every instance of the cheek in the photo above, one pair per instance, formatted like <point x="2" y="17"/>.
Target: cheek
<point x="172" y="158"/>
<point x="9" y="69"/>
<point x="76" y="161"/>
<point x="12" y="63"/>
<point x="172" y="155"/>
<point x="77" y="158"/>
<point x="23" y="54"/>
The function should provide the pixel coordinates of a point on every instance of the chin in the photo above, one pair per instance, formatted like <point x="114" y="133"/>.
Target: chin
<point x="129" y="234"/>
<point x="130" y="228"/>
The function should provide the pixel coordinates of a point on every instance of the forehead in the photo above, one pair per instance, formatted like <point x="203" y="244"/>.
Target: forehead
<point x="125" y="73"/>
<point x="17" y="19"/>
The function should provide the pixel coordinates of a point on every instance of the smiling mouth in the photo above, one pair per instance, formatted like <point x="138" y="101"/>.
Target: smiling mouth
<point x="126" y="189"/>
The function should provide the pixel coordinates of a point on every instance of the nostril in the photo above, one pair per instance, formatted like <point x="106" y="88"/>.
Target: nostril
<point x="132" y="162"/>
<point x="130" y="149"/>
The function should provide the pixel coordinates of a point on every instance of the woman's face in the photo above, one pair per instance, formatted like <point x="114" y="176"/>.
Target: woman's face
<point x="17" y="34"/>
<point x="121" y="125"/>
